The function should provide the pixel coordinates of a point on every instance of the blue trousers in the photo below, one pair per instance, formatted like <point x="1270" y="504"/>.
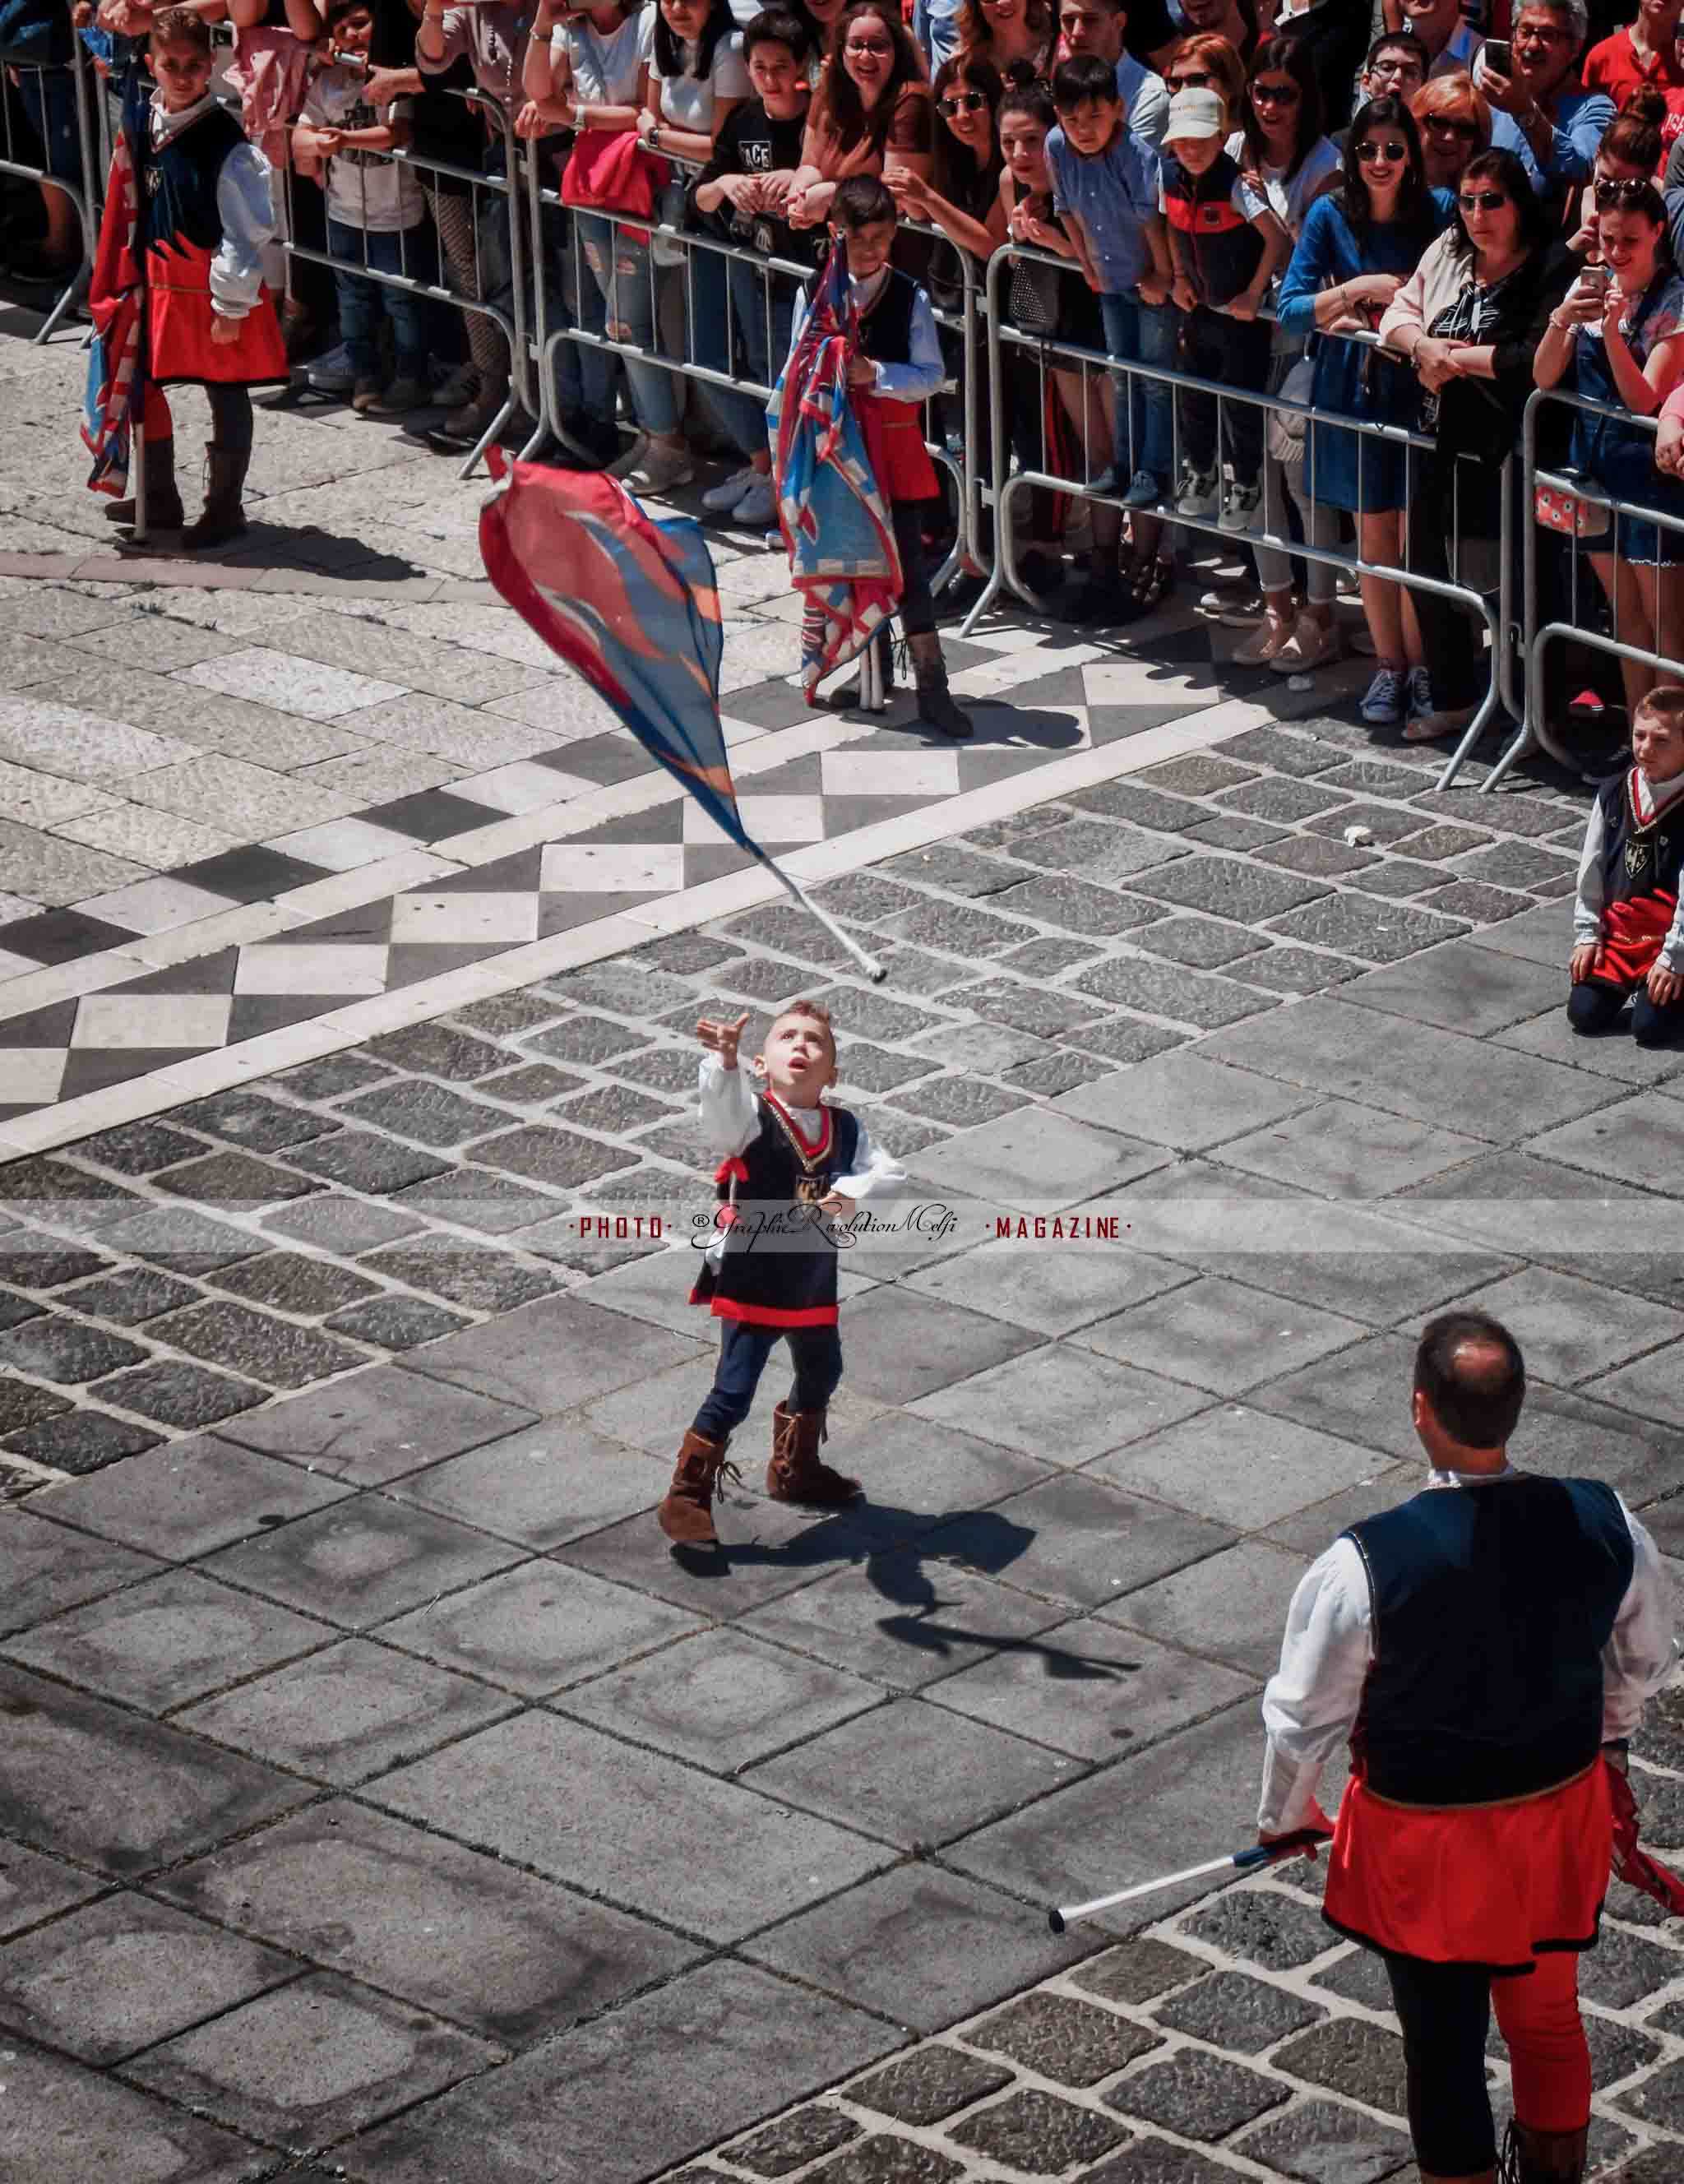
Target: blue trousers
<point x="816" y="1353"/>
<point x="1142" y="333"/>
<point x="363" y="303"/>
<point x="1596" y="1006"/>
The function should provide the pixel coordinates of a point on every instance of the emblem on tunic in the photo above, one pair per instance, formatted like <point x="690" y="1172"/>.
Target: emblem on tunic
<point x="1639" y="849"/>
<point x="154" y="181"/>
<point x="809" y="1190"/>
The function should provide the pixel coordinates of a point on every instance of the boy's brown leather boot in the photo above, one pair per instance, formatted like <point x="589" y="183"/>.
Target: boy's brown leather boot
<point x="796" y="1473"/>
<point x="687" y="1513"/>
<point x="1542" y="2157"/>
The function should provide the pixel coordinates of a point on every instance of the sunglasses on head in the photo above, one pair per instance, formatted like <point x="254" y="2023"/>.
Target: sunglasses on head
<point x="1392" y="149"/>
<point x="1482" y="200"/>
<point x="1622" y="193"/>
<point x="1275" y="94"/>
<point x="962" y="102"/>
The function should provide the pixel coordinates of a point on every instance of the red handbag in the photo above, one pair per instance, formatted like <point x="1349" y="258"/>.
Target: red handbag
<point x="609" y="170"/>
<point x="1566" y="512"/>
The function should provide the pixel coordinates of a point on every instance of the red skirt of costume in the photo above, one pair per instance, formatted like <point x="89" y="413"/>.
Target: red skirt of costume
<point x="1633" y="934"/>
<point x="178" y="314"/>
<point x="1489" y="1885"/>
<point x="895" y="440"/>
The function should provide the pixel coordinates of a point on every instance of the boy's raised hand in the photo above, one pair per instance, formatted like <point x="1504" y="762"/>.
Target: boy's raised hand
<point x="721" y="1039"/>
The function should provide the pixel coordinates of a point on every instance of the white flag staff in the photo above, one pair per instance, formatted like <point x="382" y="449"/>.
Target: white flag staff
<point x="1303" y="1844"/>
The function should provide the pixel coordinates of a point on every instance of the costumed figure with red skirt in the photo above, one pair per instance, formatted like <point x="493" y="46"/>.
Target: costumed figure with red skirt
<point x="893" y="367"/>
<point x="1486" y="1648"/>
<point x="1628" y="932"/>
<point x="791" y="1164"/>
<point x="177" y="295"/>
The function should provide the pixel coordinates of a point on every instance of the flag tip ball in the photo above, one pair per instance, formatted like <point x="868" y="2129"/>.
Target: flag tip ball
<point x="1056" y="1920"/>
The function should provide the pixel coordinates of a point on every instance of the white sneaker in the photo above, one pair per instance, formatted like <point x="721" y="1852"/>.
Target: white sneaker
<point x="721" y="499"/>
<point x="759" y="504"/>
<point x="662" y="470"/>
<point x="331" y="374"/>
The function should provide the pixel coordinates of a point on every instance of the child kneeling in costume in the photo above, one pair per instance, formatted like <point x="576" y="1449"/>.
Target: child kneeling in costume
<point x="787" y="1160"/>
<point x="1628" y="931"/>
<point x="205" y="214"/>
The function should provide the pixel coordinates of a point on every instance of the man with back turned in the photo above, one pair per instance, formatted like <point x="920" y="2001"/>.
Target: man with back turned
<point x="1487" y="1648"/>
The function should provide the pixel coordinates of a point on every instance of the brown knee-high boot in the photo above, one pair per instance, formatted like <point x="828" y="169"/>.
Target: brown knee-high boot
<point x="1542" y="2157"/>
<point x="225" y="514"/>
<point x="796" y="1473"/>
<point x="687" y="1513"/>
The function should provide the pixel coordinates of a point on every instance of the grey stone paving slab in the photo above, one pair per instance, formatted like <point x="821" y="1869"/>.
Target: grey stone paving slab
<point x="351" y="1712"/>
<point x="498" y="1950"/>
<point x="1035" y="2131"/>
<point x="1087" y="1543"/>
<point x="732" y="2043"/>
<point x="188" y="1496"/>
<point x="113" y="1791"/>
<point x="45" y="1568"/>
<point x="1378" y="932"/>
<point x="181" y="1395"/>
<point x="871" y="1946"/>
<point x="320" y="2057"/>
<point x="1359" y="1394"/>
<point x="1649" y="1132"/>
<point x="1461" y="988"/>
<point x="117" y="1975"/>
<point x="1650" y="1387"/>
<point x="902" y="1347"/>
<point x="1233" y="1605"/>
<point x="721" y="1699"/>
<point x="159" y="1644"/>
<point x="912" y="1773"/>
<point x="1052" y="1291"/>
<point x="541" y="1486"/>
<point x="766" y="1548"/>
<point x="1571" y="1330"/>
<point x="1219" y="1335"/>
<point x="1349" y="1151"/>
<point x="1241" y="1466"/>
<point x="1036" y="1160"/>
<point x="1232" y="2010"/>
<point x="917" y="1473"/>
<point x="595" y="1813"/>
<point x="537" y="1628"/>
<point x="362" y="1560"/>
<point x="930" y="2084"/>
<point x="34" y="1887"/>
<point x="1063" y="2038"/>
<point x="553" y="1355"/>
<point x="62" y="2119"/>
<point x="1086" y="1689"/>
<point x="1181" y="1101"/>
<point x="378" y="1425"/>
<point x="1064" y="1404"/>
<point x="1205" y="2097"/>
<point x="1321" y="2143"/>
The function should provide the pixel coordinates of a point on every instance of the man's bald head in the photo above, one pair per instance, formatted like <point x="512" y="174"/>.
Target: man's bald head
<point x="1470" y="1373"/>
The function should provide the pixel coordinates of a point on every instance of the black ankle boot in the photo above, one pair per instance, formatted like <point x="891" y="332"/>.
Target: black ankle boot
<point x="937" y="708"/>
<point x="164" y="509"/>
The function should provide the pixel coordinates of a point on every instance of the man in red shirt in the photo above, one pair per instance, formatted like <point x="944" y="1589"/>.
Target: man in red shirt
<point x="1646" y="52"/>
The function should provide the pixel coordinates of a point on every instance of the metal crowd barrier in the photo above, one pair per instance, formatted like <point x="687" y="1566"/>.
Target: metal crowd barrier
<point x="84" y="195"/>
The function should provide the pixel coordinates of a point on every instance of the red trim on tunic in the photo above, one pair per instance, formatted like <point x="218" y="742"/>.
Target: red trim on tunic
<point x="819" y="1148"/>
<point x="767" y="1315"/>
<point x="1491" y="1884"/>
<point x="905" y="472"/>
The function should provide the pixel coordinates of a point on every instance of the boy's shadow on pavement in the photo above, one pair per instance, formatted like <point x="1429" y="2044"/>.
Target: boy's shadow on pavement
<point x="899" y="1551"/>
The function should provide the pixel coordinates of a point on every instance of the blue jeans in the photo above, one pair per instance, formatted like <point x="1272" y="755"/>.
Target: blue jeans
<point x="713" y="279"/>
<point x="363" y="303"/>
<point x="816" y="1353"/>
<point x="1142" y="333"/>
<point x="616" y="287"/>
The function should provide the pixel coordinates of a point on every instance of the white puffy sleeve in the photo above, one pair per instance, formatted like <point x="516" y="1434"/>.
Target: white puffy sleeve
<point x="247" y="212"/>
<point x="1640" y="1655"/>
<point x="726" y="1106"/>
<point x="1311" y="1704"/>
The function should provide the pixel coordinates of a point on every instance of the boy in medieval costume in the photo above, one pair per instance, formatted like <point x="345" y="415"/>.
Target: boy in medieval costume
<point x="1628" y="932"/>
<point x="788" y="1161"/>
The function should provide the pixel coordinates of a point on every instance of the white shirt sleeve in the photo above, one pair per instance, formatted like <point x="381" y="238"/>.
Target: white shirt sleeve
<point x="875" y="1171"/>
<point x="1640" y="1655"/>
<point x="246" y="210"/>
<point x="726" y="1106"/>
<point x="1591" y="900"/>
<point x="922" y="377"/>
<point x="1311" y="1704"/>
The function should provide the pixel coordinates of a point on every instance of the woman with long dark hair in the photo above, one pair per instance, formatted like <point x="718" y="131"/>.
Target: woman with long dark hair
<point x="1464" y="320"/>
<point x="1017" y="37"/>
<point x="1358" y="246"/>
<point x="871" y="113"/>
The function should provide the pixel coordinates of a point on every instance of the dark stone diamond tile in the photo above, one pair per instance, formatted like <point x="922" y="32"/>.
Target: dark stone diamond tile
<point x="862" y="1013"/>
<point x="1477" y="904"/>
<point x="1281" y="798"/>
<point x="1229" y="887"/>
<point x="248" y="1119"/>
<point x="1075" y="905"/>
<point x="1159" y="2161"/>
<point x="477" y="1277"/>
<point x="886" y="2160"/>
<point x="1232" y="831"/>
<point x="1051" y="1075"/>
<point x="272" y="1348"/>
<point x="61" y="936"/>
<point x="138" y="1148"/>
<point x="1200" y="774"/>
<point x="1438" y="843"/>
<point x="1318" y="856"/>
<point x="930" y="2083"/>
<point x="329" y="1078"/>
<point x="179" y="1395"/>
<point x="359" y="1562"/>
<point x="1394" y="877"/>
<point x="438" y="1050"/>
<point x="1286" y="970"/>
<point x="1363" y="2061"/>
<point x="1321" y="2143"/>
<point x="124" y="1795"/>
<point x="960" y="1102"/>
<point x="1204" y="2096"/>
<point x="1232" y="2010"/>
<point x="1186" y="997"/>
<point x="1049" y="958"/>
<point x="1616" y="2050"/>
<point x="1385" y="823"/>
<point x="31" y="1260"/>
<point x="361" y="1161"/>
<point x="287" y="1281"/>
<point x="1029" y="1008"/>
<point x="131" y="1295"/>
<point x="237" y="1178"/>
<point x="53" y="1346"/>
<point x="80" y="1440"/>
<point x="69" y="1197"/>
<point x="548" y="1155"/>
<point x="958" y="928"/>
<point x="1351" y="925"/>
<point x="1264" y="1927"/>
<point x="1036" y="2132"/>
<point x="431" y="816"/>
<point x="1202" y="943"/>
<point x="1127" y="1039"/>
<point x="397" y="1322"/>
<point x="629" y="987"/>
<point x="1097" y="850"/>
<point x="1361" y="1977"/>
<point x="1138" y="1971"/>
<point x="1287" y="752"/>
<point x="532" y="1086"/>
<point x="1516" y="865"/>
<point x="1060" y="2039"/>
<point x="1623" y="1967"/>
<point x="15" y="1310"/>
<point x="1369" y="776"/>
<point x="789" y="932"/>
<point x="414" y="1108"/>
<point x="349" y="1226"/>
<point x="793" y="2140"/>
<point x="1131" y="799"/>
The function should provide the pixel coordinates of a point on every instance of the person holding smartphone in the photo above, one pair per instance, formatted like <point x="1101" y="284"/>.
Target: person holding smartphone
<point x="1541" y="107"/>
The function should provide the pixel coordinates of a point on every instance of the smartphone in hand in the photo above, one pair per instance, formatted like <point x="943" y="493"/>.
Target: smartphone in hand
<point x="1499" y="56"/>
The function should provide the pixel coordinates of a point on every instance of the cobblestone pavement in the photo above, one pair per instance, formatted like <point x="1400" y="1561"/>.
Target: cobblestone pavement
<point x="382" y="1799"/>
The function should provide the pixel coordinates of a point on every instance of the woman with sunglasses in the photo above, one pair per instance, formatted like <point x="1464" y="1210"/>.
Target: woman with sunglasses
<point x="1618" y="338"/>
<point x="1291" y="164"/>
<point x="1016" y="35"/>
<point x="871" y="113"/>
<point x="1464" y="322"/>
<point x="1631" y="151"/>
<point x="1209" y="63"/>
<point x="1357" y="247"/>
<point x="1455" y="124"/>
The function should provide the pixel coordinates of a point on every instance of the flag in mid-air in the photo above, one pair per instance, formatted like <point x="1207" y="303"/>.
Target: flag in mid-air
<point x="836" y="524"/>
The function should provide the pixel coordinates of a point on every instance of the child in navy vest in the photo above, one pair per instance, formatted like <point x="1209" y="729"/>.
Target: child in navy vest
<point x="1225" y="245"/>
<point x="1628" y="934"/>
<point x="770" y="1273"/>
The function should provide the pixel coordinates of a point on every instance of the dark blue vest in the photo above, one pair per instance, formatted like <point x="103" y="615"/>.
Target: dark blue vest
<point x="761" y="1282"/>
<point x="178" y="183"/>
<point x="1492" y="1607"/>
<point x="1639" y="860"/>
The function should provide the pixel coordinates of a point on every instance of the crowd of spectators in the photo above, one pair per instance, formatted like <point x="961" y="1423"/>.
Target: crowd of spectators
<point x="1410" y="220"/>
